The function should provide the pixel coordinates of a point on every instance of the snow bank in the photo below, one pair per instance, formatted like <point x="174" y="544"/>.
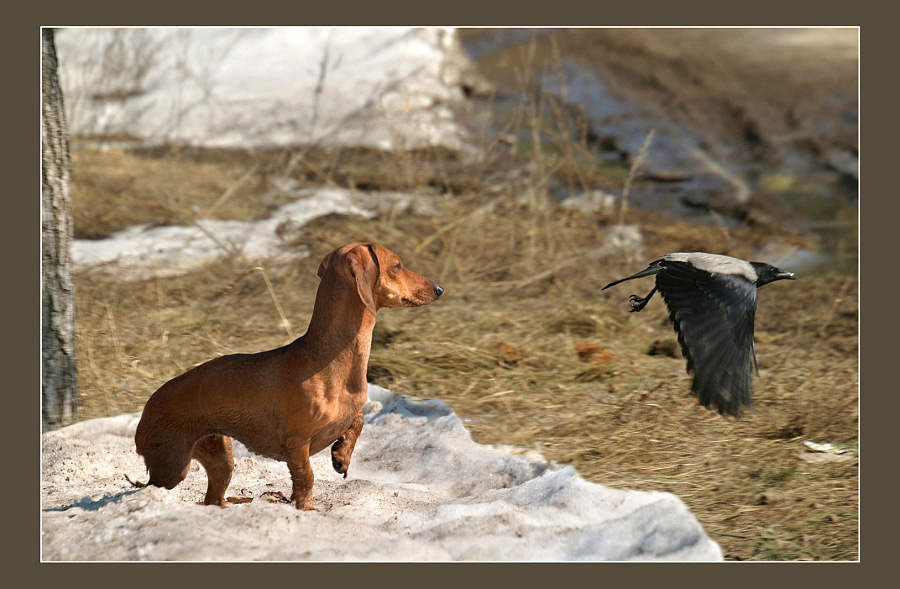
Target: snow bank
<point x="418" y="489"/>
<point x="142" y="251"/>
<point x="218" y="87"/>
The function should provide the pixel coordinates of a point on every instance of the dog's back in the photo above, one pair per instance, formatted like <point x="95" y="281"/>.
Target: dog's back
<point x="224" y="396"/>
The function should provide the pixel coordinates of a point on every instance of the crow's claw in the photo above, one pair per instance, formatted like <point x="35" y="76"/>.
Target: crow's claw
<point x="637" y="303"/>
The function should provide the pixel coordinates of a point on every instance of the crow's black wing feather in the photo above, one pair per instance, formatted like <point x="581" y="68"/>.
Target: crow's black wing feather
<point x="713" y="315"/>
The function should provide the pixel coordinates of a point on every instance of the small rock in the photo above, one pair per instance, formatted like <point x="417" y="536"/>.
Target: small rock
<point x="595" y="201"/>
<point x="623" y="240"/>
<point x="771" y="497"/>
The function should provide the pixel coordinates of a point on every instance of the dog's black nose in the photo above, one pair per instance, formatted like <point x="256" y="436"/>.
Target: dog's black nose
<point x="438" y="290"/>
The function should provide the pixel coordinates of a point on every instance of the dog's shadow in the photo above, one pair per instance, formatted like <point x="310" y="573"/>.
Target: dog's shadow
<point x="89" y="504"/>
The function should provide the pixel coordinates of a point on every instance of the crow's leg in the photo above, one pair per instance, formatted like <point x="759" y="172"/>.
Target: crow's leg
<point x="638" y="303"/>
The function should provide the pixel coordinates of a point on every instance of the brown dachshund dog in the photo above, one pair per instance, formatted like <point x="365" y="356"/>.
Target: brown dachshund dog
<point x="288" y="403"/>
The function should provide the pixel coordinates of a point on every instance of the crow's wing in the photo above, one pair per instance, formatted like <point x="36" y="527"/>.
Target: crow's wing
<point x="713" y="315"/>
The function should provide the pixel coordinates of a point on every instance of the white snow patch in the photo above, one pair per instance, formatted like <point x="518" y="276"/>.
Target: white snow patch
<point x="419" y="489"/>
<point x="142" y="251"/>
<point x="390" y="87"/>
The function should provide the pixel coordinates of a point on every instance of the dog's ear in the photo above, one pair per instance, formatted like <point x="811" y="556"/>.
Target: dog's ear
<point x="326" y="261"/>
<point x="365" y="267"/>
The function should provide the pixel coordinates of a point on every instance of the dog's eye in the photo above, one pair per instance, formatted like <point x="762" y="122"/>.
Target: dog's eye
<point x="398" y="265"/>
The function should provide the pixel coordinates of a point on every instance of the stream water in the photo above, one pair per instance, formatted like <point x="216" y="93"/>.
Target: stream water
<point x="825" y="208"/>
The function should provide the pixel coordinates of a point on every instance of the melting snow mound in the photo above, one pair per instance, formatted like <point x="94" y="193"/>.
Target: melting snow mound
<point x="388" y="87"/>
<point x="418" y="489"/>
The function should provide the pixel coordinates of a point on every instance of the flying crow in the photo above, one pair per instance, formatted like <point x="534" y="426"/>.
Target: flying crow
<point x="712" y="302"/>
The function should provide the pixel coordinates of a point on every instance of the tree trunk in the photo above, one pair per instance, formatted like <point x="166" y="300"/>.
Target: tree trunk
<point x="59" y="395"/>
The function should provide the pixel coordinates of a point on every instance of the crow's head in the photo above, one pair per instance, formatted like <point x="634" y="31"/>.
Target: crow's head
<point x="766" y="273"/>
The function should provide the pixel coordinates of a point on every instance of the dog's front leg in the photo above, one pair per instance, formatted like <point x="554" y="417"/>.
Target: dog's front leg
<point x="343" y="447"/>
<point x="297" y="452"/>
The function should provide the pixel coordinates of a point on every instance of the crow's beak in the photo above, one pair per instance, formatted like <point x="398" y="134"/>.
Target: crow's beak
<point x="785" y="275"/>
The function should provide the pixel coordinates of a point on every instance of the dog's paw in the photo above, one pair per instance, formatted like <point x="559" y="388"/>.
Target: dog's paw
<point x="339" y="461"/>
<point x="338" y="466"/>
<point x="223" y="504"/>
<point x="303" y="504"/>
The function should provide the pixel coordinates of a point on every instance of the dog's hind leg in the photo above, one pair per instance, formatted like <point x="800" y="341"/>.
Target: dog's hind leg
<point x="215" y="454"/>
<point x="343" y="447"/>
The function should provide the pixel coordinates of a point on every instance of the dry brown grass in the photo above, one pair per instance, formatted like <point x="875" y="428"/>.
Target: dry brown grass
<point x="113" y="188"/>
<point x="529" y="352"/>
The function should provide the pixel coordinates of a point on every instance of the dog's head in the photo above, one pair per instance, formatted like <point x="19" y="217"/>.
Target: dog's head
<point x="381" y="278"/>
